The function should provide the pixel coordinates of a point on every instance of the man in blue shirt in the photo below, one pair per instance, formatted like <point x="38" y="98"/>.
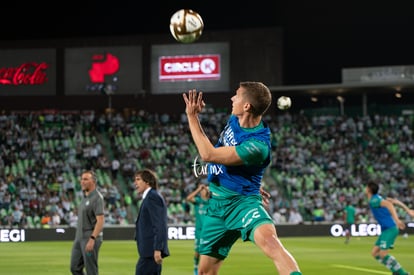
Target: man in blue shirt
<point x="384" y="212"/>
<point x="235" y="171"/>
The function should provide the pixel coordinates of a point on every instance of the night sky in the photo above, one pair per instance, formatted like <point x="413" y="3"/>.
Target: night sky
<point x="319" y="39"/>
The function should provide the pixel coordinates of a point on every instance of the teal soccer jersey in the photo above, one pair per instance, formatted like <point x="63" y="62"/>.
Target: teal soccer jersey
<point x="381" y="214"/>
<point x="350" y="214"/>
<point x="235" y="206"/>
<point x="389" y="230"/>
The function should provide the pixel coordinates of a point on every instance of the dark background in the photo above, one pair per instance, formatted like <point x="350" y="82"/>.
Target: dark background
<point x="320" y="37"/>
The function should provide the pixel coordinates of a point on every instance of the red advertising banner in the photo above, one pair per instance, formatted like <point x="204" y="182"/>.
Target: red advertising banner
<point x="27" y="72"/>
<point x="176" y="68"/>
<point x="103" y="70"/>
<point x="185" y="68"/>
<point x="31" y="73"/>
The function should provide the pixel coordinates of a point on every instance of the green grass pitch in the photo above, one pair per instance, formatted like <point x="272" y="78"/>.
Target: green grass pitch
<point x="315" y="255"/>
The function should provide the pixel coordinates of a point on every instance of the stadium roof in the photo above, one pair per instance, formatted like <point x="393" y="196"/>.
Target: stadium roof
<point x="347" y="88"/>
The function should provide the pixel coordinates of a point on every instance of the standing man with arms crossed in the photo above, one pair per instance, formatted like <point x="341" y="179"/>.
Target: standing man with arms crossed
<point x="88" y="239"/>
<point x="384" y="212"/>
<point x="199" y="198"/>
<point x="151" y="228"/>
<point x="236" y="167"/>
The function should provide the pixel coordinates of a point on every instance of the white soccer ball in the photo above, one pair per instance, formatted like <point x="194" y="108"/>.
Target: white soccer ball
<point x="186" y="26"/>
<point x="284" y="102"/>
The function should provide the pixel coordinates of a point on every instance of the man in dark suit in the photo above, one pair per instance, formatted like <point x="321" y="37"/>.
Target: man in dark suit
<point x="151" y="230"/>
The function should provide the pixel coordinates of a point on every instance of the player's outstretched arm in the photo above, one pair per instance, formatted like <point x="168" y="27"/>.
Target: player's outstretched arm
<point x="402" y="205"/>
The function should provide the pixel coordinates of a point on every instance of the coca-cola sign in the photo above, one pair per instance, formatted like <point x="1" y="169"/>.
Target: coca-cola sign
<point x="30" y="73"/>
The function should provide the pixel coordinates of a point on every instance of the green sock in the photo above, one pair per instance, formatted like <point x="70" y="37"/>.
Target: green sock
<point x="392" y="264"/>
<point x="295" y="273"/>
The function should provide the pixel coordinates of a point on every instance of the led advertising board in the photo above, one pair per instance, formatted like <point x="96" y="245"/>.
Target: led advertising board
<point x="176" y="68"/>
<point x="103" y="70"/>
<point x="29" y="72"/>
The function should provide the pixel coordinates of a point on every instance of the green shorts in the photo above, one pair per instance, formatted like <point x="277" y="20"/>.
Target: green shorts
<point x="387" y="238"/>
<point x="229" y="217"/>
<point x="197" y="238"/>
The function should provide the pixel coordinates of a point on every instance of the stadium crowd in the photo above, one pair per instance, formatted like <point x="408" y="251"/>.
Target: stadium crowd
<point x="319" y="163"/>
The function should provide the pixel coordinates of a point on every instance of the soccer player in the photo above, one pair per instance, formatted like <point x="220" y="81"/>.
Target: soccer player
<point x="236" y="165"/>
<point x="349" y="219"/>
<point x="199" y="198"/>
<point x="384" y="212"/>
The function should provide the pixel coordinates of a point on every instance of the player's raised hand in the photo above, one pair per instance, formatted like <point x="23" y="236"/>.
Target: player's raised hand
<point x="194" y="102"/>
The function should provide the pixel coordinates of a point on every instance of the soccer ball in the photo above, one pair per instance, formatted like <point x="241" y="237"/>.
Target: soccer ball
<point x="186" y="26"/>
<point x="284" y="102"/>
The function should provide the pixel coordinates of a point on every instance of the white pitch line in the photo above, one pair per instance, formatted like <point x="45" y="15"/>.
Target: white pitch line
<point x="361" y="269"/>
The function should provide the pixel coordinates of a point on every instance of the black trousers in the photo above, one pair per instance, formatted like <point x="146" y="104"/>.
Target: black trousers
<point x="147" y="266"/>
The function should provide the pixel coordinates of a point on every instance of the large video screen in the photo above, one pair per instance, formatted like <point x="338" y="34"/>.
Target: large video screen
<point x="29" y="72"/>
<point x="176" y="68"/>
<point x="103" y="70"/>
